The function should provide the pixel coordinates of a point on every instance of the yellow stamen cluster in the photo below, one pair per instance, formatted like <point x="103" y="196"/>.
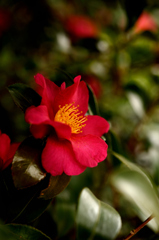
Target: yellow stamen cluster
<point x="70" y="115"/>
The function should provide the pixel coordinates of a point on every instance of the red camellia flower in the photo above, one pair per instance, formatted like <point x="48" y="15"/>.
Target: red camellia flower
<point x="145" y="23"/>
<point x="73" y="138"/>
<point x="80" y="26"/>
<point x="7" y="150"/>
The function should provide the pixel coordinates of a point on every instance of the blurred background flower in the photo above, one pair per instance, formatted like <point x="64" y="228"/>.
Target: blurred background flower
<point x="7" y="150"/>
<point x="145" y="22"/>
<point x="79" y="26"/>
<point x="5" y="20"/>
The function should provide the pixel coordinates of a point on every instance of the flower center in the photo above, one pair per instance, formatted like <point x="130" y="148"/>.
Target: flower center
<point x="70" y="115"/>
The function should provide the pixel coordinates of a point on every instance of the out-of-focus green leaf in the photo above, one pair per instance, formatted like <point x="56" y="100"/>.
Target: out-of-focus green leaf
<point x="136" y="103"/>
<point x="93" y="106"/>
<point x="135" y="186"/>
<point x="56" y="185"/>
<point x="141" y="93"/>
<point x="21" y="232"/>
<point x="141" y="53"/>
<point x="66" y="74"/>
<point x="131" y="165"/>
<point x="63" y="213"/>
<point x="114" y="145"/>
<point x="24" y="96"/>
<point x="79" y="182"/>
<point x="26" y="166"/>
<point x="133" y="9"/>
<point x="96" y="219"/>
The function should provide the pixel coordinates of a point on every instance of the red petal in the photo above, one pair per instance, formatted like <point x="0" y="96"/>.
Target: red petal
<point x="48" y="91"/>
<point x="77" y="79"/>
<point x="76" y="93"/>
<point x="63" y="86"/>
<point x="145" y="22"/>
<point x="40" y="130"/>
<point x="95" y="125"/>
<point x="37" y="115"/>
<point x="89" y="150"/>
<point x="81" y="26"/>
<point x="13" y="149"/>
<point x="63" y="131"/>
<point x="58" y="157"/>
<point x="1" y="164"/>
<point x="39" y="118"/>
<point x="10" y="155"/>
<point x="4" y="146"/>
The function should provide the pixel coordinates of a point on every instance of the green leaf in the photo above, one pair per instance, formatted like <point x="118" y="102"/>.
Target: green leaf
<point x="139" y="91"/>
<point x="138" y="189"/>
<point x="96" y="219"/>
<point x="63" y="213"/>
<point x="56" y="185"/>
<point x="131" y="165"/>
<point x="26" y="166"/>
<point x="21" y="232"/>
<point x="24" y="96"/>
<point x="93" y="106"/>
<point x="114" y="145"/>
<point x="66" y="74"/>
<point x="133" y="10"/>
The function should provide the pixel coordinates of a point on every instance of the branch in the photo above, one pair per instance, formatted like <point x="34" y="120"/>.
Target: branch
<point x="133" y="232"/>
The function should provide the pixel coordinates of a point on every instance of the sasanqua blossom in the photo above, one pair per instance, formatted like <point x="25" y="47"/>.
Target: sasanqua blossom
<point x="73" y="138"/>
<point x="79" y="26"/>
<point x="7" y="150"/>
<point x="145" y="22"/>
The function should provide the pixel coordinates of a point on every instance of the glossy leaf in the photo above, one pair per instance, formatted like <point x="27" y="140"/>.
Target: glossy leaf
<point x="26" y="166"/>
<point x="131" y="165"/>
<point x="24" y="96"/>
<point x="56" y="185"/>
<point x="21" y="232"/>
<point x="137" y="188"/>
<point x="96" y="219"/>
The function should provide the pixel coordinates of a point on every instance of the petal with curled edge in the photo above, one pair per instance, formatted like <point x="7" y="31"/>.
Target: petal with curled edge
<point x="58" y="157"/>
<point x="89" y="150"/>
<point x="39" y="119"/>
<point x="37" y="115"/>
<point x="48" y="90"/>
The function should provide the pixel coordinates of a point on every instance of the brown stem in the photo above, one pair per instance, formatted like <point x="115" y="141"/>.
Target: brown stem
<point x="133" y="232"/>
